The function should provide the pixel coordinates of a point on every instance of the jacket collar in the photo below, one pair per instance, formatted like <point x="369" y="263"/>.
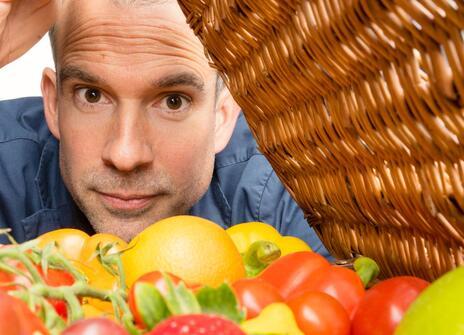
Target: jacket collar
<point x="58" y="210"/>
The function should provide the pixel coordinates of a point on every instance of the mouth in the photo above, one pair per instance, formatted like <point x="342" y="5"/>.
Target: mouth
<point x="126" y="201"/>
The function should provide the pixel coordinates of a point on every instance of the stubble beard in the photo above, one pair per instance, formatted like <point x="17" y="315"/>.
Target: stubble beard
<point x="120" y="223"/>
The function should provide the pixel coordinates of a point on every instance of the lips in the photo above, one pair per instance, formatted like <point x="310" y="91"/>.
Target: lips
<point x="126" y="202"/>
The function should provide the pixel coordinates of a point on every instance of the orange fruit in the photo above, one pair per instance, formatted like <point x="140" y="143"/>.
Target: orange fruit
<point x="192" y="248"/>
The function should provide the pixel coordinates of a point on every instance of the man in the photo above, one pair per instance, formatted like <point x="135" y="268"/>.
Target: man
<point x="135" y="121"/>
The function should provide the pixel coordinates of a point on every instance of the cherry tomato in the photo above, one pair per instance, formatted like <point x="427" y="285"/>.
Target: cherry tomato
<point x="55" y="277"/>
<point x="384" y="305"/>
<point x="52" y="277"/>
<point x="94" y="326"/>
<point x="254" y="294"/>
<point x="290" y="272"/>
<point x="319" y="313"/>
<point x="17" y="281"/>
<point x="17" y="319"/>
<point x="69" y="241"/>
<point x="340" y="283"/>
<point x="90" y="245"/>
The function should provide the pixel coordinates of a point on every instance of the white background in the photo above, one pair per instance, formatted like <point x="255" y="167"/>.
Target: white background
<point x="21" y="78"/>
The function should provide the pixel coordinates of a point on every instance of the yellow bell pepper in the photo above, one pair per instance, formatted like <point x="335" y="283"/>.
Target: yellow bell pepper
<point x="276" y="318"/>
<point x="245" y="234"/>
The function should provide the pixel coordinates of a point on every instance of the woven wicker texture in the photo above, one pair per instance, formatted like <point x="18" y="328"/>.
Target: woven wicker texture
<point x="359" y="107"/>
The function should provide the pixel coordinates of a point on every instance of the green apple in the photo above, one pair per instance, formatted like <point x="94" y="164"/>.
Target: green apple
<point x="439" y="309"/>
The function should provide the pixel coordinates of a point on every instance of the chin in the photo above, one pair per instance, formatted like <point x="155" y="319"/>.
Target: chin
<point x="124" y="229"/>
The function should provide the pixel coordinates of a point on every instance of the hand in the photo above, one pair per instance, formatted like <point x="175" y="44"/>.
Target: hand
<point x="22" y="24"/>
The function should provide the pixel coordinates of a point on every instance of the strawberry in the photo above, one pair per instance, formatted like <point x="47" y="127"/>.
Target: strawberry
<point x="196" y="324"/>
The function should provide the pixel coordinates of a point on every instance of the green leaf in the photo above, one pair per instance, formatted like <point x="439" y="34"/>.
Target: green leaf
<point x="220" y="300"/>
<point x="150" y="304"/>
<point x="179" y="299"/>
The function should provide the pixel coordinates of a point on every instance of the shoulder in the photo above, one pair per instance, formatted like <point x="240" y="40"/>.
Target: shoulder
<point x="23" y="141"/>
<point x="245" y="177"/>
<point x="241" y="168"/>
<point x="23" y="120"/>
<point x="241" y="147"/>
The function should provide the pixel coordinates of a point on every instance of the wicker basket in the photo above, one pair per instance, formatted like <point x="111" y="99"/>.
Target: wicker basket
<point x="359" y="107"/>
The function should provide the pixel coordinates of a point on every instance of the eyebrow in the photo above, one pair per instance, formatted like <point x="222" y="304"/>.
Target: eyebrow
<point x="181" y="79"/>
<point x="178" y="79"/>
<point x="72" y="72"/>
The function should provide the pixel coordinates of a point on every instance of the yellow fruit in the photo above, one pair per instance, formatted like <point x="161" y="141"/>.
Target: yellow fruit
<point x="99" y="278"/>
<point x="291" y="244"/>
<point x="68" y="240"/>
<point x="88" y="252"/>
<point x="276" y="318"/>
<point x="91" y="311"/>
<point x="194" y="249"/>
<point x="102" y="281"/>
<point x="244" y="234"/>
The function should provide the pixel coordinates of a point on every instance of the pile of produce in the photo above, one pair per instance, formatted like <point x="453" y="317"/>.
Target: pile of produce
<point x="186" y="275"/>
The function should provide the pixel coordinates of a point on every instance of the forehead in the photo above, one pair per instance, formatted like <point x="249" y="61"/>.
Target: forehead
<point x="127" y="34"/>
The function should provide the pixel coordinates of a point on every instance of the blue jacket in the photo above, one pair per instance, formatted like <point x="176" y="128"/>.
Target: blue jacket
<point x="34" y="200"/>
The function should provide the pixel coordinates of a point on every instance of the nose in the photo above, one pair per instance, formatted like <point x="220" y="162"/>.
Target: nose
<point x="127" y="147"/>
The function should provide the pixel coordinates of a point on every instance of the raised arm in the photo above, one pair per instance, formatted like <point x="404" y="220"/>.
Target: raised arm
<point x="22" y="24"/>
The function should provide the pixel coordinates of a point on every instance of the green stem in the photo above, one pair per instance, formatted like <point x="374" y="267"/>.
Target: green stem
<point x="79" y="288"/>
<point x="367" y="269"/>
<point x="10" y="269"/>
<point x="259" y="255"/>
<point x="17" y="253"/>
<point x="52" y="320"/>
<point x="121" y="274"/>
<point x="60" y="260"/>
<point x="31" y="268"/>
<point x="7" y="232"/>
<point x="127" y="318"/>
<point x="75" y="309"/>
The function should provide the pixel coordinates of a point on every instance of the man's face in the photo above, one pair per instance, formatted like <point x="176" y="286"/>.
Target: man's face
<point x="135" y="114"/>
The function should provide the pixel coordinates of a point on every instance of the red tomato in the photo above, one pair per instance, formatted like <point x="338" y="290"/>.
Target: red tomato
<point x="157" y="279"/>
<point x="17" y="319"/>
<point x="254" y="294"/>
<point x="340" y="283"/>
<point x="318" y="313"/>
<point x="291" y="271"/>
<point x="56" y="278"/>
<point x="53" y="277"/>
<point x="95" y="326"/>
<point x="6" y="277"/>
<point x="384" y="305"/>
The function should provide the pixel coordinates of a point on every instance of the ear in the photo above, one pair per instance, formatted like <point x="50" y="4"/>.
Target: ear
<point x="50" y="95"/>
<point x="227" y="112"/>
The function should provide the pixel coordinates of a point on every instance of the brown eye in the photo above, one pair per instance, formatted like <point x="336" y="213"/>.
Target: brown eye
<point x="92" y="95"/>
<point x="174" y="101"/>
